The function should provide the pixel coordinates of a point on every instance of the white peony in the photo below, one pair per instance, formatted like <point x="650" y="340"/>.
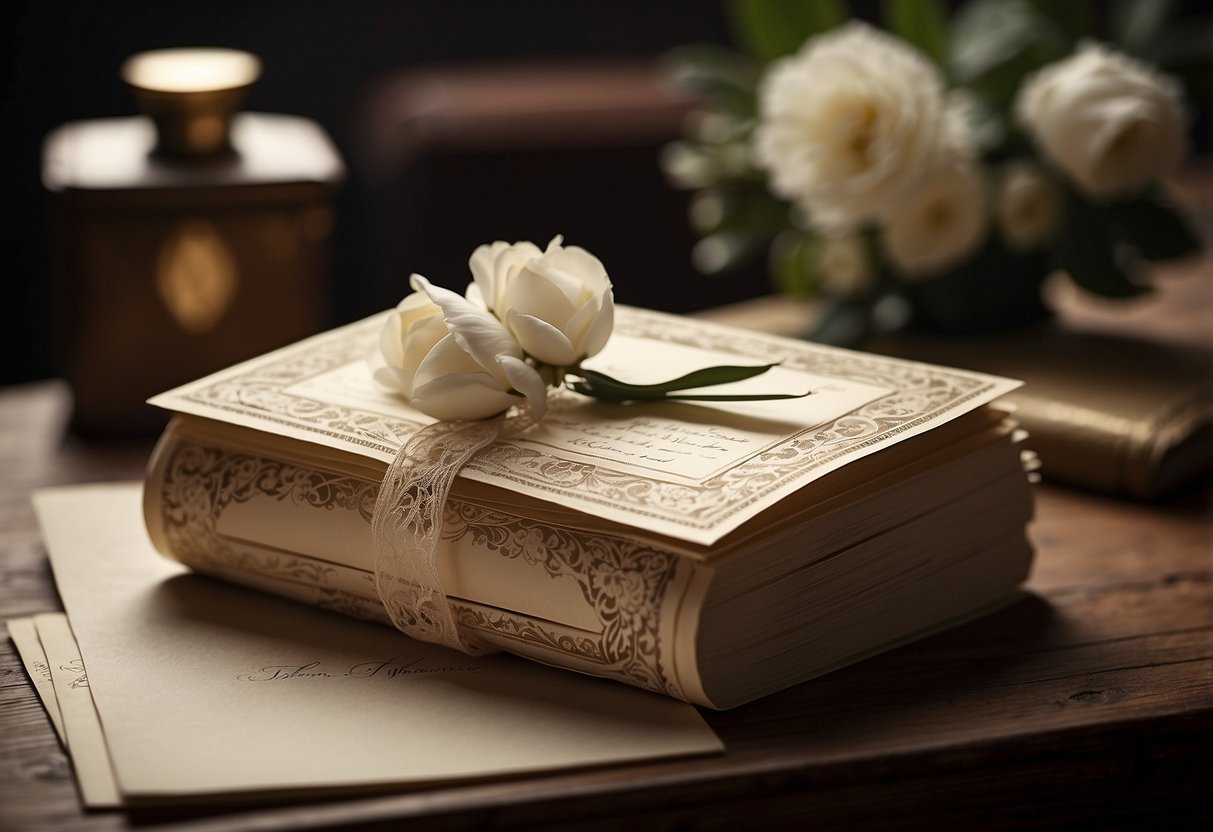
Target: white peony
<point x="1028" y="207"/>
<point x="451" y="360"/>
<point x="850" y="124"/>
<point x="939" y="224"/>
<point x="1111" y="123"/>
<point x="557" y="303"/>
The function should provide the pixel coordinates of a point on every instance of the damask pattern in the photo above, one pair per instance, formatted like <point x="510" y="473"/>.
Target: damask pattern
<point x="625" y="583"/>
<point x="920" y="394"/>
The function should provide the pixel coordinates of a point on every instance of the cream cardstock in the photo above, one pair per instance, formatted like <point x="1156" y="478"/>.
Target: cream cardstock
<point x="694" y="472"/>
<point x="205" y="688"/>
<point x="82" y="730"/>
<point x="25" y="637"/>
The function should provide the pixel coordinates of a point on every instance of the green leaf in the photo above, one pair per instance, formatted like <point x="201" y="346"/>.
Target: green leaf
<point x="1136" y="24"/>
<point x="1154" y="229"/>
<point x="792" y="264"/>
<point x="720" y="76"/>
<point x="1188" y="40"/>
<point x="621" y="397"/>
<point x="1072" y="18"/>
<point x="770" y="29"/>
<point x="751" y="397"/>
<point x="603" y="387"/>
<point x="986" y="33"/>
<point x="923" y="23"/>
<point x="707" y="377"/>
<point x="995" y="43"/>
<point x="1086" y="250"/>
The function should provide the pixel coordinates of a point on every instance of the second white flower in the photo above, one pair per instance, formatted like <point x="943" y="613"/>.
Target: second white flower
<point x="558" y="303"/>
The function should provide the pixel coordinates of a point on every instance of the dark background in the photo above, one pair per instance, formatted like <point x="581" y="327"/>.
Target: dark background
<point x="61" y="60"/>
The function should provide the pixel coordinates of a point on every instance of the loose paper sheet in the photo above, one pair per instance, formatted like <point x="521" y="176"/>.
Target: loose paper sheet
<point x="205" y="688"/>
<point x="691" y="471"/>
<point x="25" y="638"/>
<point x="82" y="730"/>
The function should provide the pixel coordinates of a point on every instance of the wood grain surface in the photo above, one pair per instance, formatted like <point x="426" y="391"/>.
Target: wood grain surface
<point x="1087" y="703"/>
<point x="1088" y="700"/>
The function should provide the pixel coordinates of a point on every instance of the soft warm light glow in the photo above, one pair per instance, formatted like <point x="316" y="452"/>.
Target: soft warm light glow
<point x="191" y="70"/>
<point x="196" y="276"/>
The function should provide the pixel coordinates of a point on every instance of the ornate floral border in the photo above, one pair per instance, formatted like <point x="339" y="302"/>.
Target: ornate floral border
<point x="625" y="583"/>
<point x="921" y="393"/>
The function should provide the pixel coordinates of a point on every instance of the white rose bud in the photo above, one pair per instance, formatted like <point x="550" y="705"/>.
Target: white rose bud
<point x="938" y="225"/>
<point x="558" y="303"/>
<point x="1111" y="123"/>
<point x="850" y="124"/>
<point x="1028" y="208"/>
<point x="493" y="267"/>
<point x="452" y="360"/>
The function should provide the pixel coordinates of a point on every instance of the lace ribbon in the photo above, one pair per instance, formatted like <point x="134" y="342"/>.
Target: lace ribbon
<point x="407" y="525"/>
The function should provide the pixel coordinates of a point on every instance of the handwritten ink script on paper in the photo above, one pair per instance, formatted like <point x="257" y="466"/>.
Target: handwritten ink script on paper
<point x="663" y="446"/>
<point x="393" y="668"/>
<point x="668" y="441"/>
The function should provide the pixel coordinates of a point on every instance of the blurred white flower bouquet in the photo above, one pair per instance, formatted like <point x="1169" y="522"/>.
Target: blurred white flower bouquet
<point x="937" y="175"/>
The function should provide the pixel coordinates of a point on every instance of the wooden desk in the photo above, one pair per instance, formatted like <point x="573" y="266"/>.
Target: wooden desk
<point x="1089" y="700"/>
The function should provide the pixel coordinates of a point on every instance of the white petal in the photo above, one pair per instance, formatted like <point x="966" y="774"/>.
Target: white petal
<point x="481" y="265"/>
<point x="468" y="396"/>
<point x="526" y="381"/>
<point x="537" y="295"/>
<point x="569" y="284"/>
<point x="476" y="297"/>
<point x="507" y="261"/>
<point x="423" y="336"/>
<point x="578" y="325"/>
<point x="587" y="268"/>
<point x="485" y="274"/>
<point x="391" y="340"/>
<point x="600" y="331"/>
<point x="413" y="305"/>
<point x="447" y="358"/>
<point x="542" y="340"/>
<point x="480" y="335"/>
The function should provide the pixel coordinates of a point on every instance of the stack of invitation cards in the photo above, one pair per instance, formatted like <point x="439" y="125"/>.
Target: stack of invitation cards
<point x="713" y="552"/>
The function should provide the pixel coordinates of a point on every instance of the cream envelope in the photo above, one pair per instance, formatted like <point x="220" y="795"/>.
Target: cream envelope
<point x="203" y="688"/>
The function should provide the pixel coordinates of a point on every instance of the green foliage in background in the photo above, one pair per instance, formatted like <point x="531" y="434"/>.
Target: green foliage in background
<point x="987" y="47"/>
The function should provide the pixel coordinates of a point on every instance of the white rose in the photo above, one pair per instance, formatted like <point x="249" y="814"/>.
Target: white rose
<point x="849" y="124"/>
<point x="1028" y="207"/>
<point x="1112" y="123"/>
<point x="939" y="224"/>
<point x="557" y="303"/>
<point x="451" y="359"/>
